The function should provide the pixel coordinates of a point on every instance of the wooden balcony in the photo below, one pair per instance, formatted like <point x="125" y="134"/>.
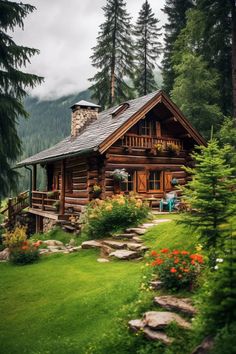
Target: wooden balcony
<point x="146" y="142"/>
<point x="46" y="201"/>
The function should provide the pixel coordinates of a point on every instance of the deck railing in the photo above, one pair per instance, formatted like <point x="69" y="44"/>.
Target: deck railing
<point x="146" y="142"/>
<point x="46" y="201"/>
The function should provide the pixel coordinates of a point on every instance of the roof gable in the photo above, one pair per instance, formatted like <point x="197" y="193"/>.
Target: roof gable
<point x="102" y="133"/>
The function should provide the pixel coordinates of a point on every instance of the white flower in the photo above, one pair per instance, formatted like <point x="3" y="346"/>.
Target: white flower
<point x="219" y="260"/>
<point x="216" y="267"/>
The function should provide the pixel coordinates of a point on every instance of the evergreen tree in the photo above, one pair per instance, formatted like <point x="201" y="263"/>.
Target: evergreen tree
<point x="176" y="21"/>
<point x="13" y="84"/>
<point x="113" y="56"/>
<point x="148" y="49"/>
<point x="210" y="196"/>
<point x="195" y="93"/>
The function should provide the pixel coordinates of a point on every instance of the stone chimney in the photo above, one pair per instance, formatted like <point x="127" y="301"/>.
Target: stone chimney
<point x="83" y="113"/>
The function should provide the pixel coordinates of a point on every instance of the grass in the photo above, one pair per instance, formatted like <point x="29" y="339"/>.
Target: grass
<point x="68" y="303"/>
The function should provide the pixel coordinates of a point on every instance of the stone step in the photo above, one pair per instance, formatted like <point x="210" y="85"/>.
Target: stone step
<point x="159" y="320"/>
<point x="157" y="336"/>
<point x="114" y="244"/>
<point x="91" y="244"/>
<point x="69" y="228"/>
<point x="124" y="236"/>
<point x="137" y="230"/>
<point x="173" y="303"/>
<point x="124" y="254"/>
<point x="133" y="246"/>
<point x="137" y="239"/>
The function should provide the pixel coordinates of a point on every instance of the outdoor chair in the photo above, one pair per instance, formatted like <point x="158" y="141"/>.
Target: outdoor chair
<point x="168" y="202"/>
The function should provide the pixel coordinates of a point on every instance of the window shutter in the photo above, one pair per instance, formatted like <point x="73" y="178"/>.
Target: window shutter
<point x="167" y="181"/>
<point x="142" y="181"/>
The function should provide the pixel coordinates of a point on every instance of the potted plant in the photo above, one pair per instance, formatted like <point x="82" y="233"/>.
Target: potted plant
<point x="97" y="190"/>
<point x="119" y="175"/>
<point x="173" y="148"/>
<point x="158" y="147"/>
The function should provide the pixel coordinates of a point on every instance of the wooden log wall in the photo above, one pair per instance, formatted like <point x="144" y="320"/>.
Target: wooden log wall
<point x="141" y="160"/>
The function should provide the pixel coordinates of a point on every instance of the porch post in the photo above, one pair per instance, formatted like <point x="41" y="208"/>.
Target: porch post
<point x="62" y="194"/>
<point x="34" y="178"/>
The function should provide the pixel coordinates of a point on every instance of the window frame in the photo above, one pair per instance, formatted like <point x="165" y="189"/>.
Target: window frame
<point x="155" y="181"/>
<point x="132" y="174"/>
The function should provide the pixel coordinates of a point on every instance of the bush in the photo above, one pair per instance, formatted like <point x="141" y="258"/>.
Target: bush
<point x="176" y="269"/>
<point x="113" y="214"/>
<point x="22" y="251"/>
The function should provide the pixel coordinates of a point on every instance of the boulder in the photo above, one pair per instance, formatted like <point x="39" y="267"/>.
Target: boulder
<point x="170" y="302"/>
<point x="137" y="230"/>
<point x="114" y="244"/>
<point x="159" y="320"/>
<point x="43" y="250"/>
<point x="91" y="244"/>
<point x="157" y="336"/>
<point x="103" y="260"/>
<point x="136" y="325"/>
<point x="53" y="243"/>
<point x="124" y="236"/>
<point x="124" y="254"/>
<point x="5" y="254"/>
<point x="56" y="248"/>
<point x="105" y="251"/>
<point x="133" y="246"/>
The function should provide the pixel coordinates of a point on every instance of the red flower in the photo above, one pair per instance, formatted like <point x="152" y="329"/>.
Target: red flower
<point x="184" y="252"/>
<point x="153" y="253"/>
<point x="173" y="270"/>
<point x="175" y="252"/>
<point x="165" y="250"/>
<point x="186" y="270"/>
<point x="176" y="261"/>
<point x="193" y="262"/>
<point x="24" y="248"/>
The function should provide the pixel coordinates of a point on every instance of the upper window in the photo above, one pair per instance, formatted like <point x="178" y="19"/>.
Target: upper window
<point x="155" y="182"/>
<point x="145" y="128"/>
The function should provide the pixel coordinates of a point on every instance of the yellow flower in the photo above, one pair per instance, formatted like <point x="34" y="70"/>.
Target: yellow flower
<point x="109" y="207"/>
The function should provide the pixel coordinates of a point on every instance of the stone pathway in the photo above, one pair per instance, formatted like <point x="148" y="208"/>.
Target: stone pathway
<point x="153" y="323"/>
<point x="126" y="246"/>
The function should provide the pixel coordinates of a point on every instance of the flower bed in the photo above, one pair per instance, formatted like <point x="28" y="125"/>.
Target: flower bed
<point x="176" y="269"/>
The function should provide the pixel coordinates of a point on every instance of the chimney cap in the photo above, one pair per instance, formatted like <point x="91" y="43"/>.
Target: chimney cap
<point x="84" y="103"/>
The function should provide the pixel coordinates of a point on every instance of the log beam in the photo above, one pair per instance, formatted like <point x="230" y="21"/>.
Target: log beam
<point x="62" y="195"/>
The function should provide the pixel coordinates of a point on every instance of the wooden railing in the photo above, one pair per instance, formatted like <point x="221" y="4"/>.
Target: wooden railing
<point x="46" y="201"/>
<point x="16" y="204"/>
<point x="146" y="142"/>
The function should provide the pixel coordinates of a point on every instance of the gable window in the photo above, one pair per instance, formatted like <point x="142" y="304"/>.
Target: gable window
<point x="128" y="186"/>
<point x="145" y="127"/>
<point x="155" y="181"/>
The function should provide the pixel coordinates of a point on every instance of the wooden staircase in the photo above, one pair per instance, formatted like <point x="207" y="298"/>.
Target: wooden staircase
<point x="16" y="205"/>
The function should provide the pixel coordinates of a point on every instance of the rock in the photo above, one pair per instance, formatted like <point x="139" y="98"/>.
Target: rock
<point x="159" y="320"/>
<point x="206" y="346"/>
<point x="43" y="250"/>
<point x="156" y="284"/>
<point x="76" y="249"/>
<point x="176" y="304"/>
<point x="137" y="239"/>
<point x="103" y="260"/>
<point x="114" y="244"/>
<point x="5" y="254"/>
<point x="136" y="325"/>
<point x="137" y="230"/>
<point x="125" y="236"/>
<point x="53" y="243"/>
<point x="91" y="244"/>
<point x="157" y="335"/>
<point x="133" y="246"/>
<point x="124" y="254"/>
<point x="56" y="248"/>
<point x="105" y="251"/>
<point x="147" y="225"/>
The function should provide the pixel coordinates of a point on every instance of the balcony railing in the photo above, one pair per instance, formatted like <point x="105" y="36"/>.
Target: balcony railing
<point x="146" y="142"/>
<point x="46" y="201"/>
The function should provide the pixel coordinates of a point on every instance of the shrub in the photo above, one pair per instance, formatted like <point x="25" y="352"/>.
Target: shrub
<point x="22" y="251"/>
<point x="176" y="269"/>
<point x="112" y="214"/>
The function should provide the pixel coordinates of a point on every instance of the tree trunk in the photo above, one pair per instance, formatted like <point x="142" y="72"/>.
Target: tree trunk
<point x="113" y="62"/>
<point x="233" y="11"/>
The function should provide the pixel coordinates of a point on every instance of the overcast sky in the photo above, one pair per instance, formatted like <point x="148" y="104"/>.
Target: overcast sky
<point x="65" y="31"/>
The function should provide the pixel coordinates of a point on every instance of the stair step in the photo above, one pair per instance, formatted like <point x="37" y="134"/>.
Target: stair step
<point x="137" y="230"/>
<point x="125" y="236"/>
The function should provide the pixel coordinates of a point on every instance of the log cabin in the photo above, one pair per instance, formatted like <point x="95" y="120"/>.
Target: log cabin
<point x="148" y="136"/>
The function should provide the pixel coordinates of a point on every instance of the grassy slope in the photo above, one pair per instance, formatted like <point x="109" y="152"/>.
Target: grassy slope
<point x="66" y="302"/>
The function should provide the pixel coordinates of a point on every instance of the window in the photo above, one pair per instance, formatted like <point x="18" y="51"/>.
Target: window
<point x="145" y="128"/>
<point x="155" y="182"/>
<point x="129" y="185"/>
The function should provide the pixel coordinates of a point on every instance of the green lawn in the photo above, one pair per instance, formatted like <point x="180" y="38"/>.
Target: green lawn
<point x="66" y="303"/>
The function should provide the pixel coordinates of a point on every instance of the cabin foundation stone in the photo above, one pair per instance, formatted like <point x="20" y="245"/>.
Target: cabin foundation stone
<point x="48" y="224"/>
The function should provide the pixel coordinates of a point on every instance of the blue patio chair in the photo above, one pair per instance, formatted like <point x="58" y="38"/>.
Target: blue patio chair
<point x="168" y="202"/>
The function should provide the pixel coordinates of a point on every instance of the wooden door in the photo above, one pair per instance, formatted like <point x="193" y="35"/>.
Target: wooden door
<point x="167" y="181"/>
<point x="141" y="182"/>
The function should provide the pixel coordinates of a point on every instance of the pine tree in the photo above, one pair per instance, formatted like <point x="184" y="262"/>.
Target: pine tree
<point x="147" y="49"/>
<point x="176" y="21"/>
<point x="195" y="92"/>
<point x="210" y="196"/>
<point x="113" y="56"/>
<point x="13" y="85"/>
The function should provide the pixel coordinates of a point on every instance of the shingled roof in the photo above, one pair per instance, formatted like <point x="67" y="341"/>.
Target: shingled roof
<point x="94" y="134"/>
